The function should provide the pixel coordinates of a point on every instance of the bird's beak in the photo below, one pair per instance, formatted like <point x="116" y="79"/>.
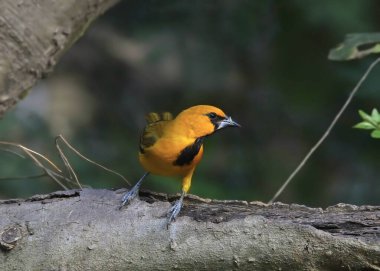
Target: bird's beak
<point x="227" y="122"/>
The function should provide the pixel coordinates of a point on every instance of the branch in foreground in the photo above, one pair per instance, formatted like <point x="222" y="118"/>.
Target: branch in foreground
<point x="34" y="34"/>
<point x="85" y="230"/>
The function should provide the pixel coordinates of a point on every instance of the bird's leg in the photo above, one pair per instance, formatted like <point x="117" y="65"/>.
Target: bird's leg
<point x="175" y="209"/>
<point x="131" y="194"/>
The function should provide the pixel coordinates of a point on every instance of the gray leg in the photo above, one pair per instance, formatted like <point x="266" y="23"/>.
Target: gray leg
<point x="176" y="208"/>
<point x="131" y="194"/>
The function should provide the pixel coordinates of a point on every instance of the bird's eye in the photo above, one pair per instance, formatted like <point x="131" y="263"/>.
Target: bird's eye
<point x="211" y="115"/>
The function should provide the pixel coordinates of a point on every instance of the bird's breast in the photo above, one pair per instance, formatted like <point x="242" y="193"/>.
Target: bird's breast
<point x="172" y="156"/>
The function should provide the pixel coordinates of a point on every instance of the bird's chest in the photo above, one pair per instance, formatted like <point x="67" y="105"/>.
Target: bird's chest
<point x="172" y="156"/>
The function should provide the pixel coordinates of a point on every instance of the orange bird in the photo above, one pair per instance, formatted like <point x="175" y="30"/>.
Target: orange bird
<point x="174" y="147"/>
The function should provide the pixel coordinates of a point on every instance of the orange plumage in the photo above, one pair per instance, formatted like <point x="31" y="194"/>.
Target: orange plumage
<point x="174" y="147"/>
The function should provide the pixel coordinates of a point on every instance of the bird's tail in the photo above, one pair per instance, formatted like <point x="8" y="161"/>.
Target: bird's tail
<point x="156" y="117"/>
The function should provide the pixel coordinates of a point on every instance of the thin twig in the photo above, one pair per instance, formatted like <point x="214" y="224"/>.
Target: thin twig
<point x="13" y="152"/>
<point x="312" y="150"/>
<point x="89" y="160"/>
<point x="67" y="163"/>
<point x="31" y="151"/>
<point x="56" y="173"/>
<point x="66" y="179"/>
<point x="47" y="171"/>
<point x="32" y="155"/>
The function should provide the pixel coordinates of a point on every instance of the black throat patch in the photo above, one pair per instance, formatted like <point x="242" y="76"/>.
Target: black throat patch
<point x="187" y="155"/>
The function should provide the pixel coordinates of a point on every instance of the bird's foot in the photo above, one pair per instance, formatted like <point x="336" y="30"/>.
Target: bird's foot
<point x="174" y="211"/>
<point x="129" y="196"/>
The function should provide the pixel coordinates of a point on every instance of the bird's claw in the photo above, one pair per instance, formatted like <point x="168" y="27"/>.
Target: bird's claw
<point x="174" y="211"/>
<point x="129" y="196"/>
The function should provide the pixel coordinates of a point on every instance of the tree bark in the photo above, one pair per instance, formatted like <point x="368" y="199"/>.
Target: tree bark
<point x="85" y="230"/>
<point x="34" y="35"/>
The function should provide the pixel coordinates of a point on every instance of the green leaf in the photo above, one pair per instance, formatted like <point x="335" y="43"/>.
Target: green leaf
<point x="357" y="45"/>
<point x="364" y="125"/>
<point x="365" y="116"/>
<point x="375" y="134"/>
<point x="375" y="115"/>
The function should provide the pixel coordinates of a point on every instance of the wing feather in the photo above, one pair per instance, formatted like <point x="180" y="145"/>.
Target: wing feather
<point x="154" y="129"/>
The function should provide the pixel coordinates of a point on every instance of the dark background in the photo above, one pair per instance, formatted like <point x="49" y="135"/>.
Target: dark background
<point x="263" y="62"/>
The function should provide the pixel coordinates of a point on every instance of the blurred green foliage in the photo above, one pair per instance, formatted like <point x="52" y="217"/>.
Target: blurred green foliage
<point x="370" y="122"/>
<point x="356" y="46"/>
<point x="263" y="62"/>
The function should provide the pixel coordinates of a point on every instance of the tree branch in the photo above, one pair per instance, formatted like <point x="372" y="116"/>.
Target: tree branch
<point x="34" y="35"/>
<point x="85" y="230"/>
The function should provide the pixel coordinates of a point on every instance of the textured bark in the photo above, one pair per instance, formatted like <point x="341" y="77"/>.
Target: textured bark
<point x="85" y="230"/>
<point x="34" y="34"/>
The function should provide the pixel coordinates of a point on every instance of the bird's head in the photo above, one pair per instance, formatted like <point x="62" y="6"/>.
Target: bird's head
<point x="203" y="120"/>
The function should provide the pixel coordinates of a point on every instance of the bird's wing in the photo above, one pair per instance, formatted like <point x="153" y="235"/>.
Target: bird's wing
<point x="154" y="129"/>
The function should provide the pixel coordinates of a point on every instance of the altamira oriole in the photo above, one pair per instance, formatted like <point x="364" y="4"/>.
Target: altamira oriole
<point x="174" y="147"/>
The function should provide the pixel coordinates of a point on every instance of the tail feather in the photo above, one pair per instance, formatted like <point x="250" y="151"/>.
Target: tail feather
<point x="156" y="117"/>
